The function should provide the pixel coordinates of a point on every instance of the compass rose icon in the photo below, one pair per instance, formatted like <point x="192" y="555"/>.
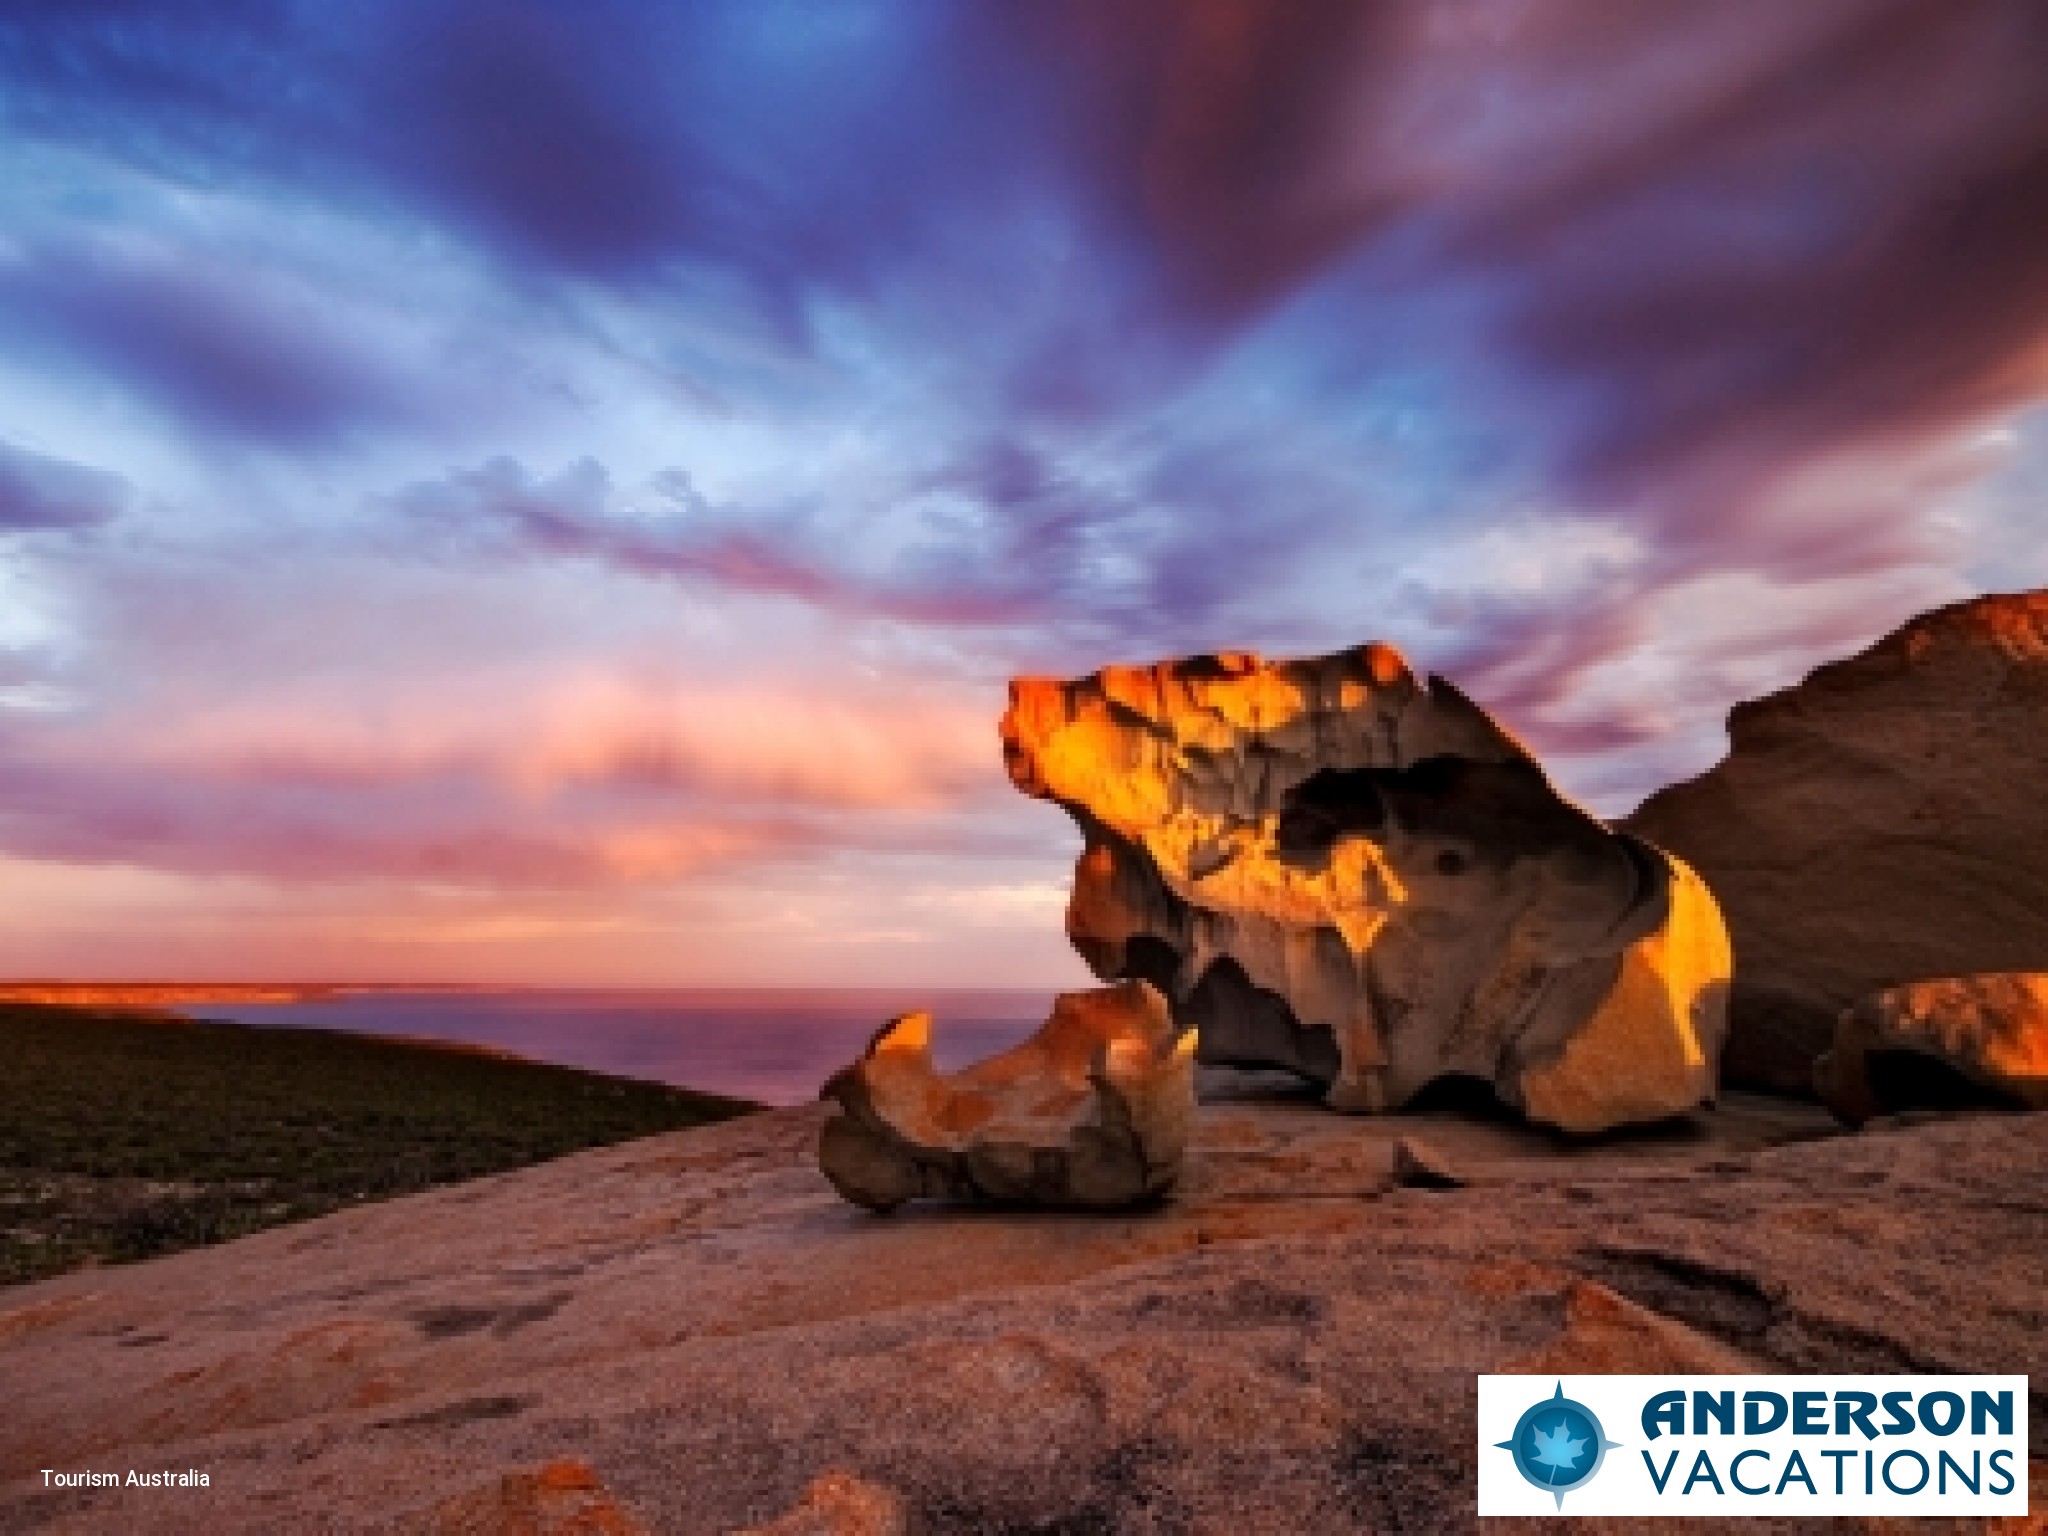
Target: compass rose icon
<point x="1558" y="1445"/>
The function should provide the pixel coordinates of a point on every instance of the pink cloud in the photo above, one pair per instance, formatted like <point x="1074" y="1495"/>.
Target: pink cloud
<point x="574" y="780"/>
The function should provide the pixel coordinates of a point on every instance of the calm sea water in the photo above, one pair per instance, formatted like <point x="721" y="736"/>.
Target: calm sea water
<point x="775" y="1046"/>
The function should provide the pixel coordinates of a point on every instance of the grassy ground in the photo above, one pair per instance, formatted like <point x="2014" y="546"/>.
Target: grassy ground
<point x="123" y="1136"/>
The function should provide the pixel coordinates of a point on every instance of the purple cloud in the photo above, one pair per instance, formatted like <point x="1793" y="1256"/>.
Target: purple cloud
<point x="1000" y="537"/>
<point x="1700" y="235"/>
<point x="38" y="491"/>
<point x="234" y="354"/>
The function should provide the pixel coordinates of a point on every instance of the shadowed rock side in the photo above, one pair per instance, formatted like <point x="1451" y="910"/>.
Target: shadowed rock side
<point x="1093" y="1110"/>
<point x="1965" y="1042"/>
<point x="1330" y="867"/>
<point x="1885" y="821"/>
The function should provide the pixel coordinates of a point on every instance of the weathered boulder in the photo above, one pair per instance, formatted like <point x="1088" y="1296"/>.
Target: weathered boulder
<point x="1329" y="866"/>
<point x="1965" y="1040"/>
<point x="1093" y="1110"/>
<point x="1884" y="821"/>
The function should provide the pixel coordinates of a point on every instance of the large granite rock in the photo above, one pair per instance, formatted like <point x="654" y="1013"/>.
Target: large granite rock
<point x="1964" y="1040"/>
<point x="1332" y="867"/>
<point x="1093" y="1110"/>
<point x="1884" y="821"/>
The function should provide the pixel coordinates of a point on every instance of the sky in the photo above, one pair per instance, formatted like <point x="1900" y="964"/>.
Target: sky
<point x="553" y="493"/>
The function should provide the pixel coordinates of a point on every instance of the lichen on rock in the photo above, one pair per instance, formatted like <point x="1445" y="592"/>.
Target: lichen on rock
<point x="1331" y="866"/>
<point x="1093" y="1110"/>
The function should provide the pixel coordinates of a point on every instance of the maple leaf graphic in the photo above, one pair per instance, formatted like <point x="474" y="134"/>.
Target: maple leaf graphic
<point x="1557" y="1449"/>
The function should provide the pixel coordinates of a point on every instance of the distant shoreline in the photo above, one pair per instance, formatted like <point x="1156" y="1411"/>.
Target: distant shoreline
<point x="156" y="995"/>
<point x="769" y="1045"/>
<point x="150" y="994"/>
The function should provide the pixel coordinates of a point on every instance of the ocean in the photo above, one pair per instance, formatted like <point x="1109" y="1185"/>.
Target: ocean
<point x="776" y="1046"/>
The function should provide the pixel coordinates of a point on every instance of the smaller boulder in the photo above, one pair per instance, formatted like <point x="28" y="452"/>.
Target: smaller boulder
<point x="1092" y="1111"/>
<point x="1961" y="1042"/>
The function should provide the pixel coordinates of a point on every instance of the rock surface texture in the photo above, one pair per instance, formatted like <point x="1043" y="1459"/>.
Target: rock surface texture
<point x="840" y="1504"/>
<point x="1330" y="866"/>
<point x="1987" y="1037"/>
<point x="562" y="1498"/>
<point x="1287" y="1345"/>
<point x="1884" y="821"/>
<point x="1093" y="1110"/>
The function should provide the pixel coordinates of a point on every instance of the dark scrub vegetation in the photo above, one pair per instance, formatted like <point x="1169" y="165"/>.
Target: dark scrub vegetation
<point x="125" y="1135"/>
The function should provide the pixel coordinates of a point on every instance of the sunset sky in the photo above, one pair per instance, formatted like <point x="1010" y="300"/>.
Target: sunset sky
<point x="553" y="492"/>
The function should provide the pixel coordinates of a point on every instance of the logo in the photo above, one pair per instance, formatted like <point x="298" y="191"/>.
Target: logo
<point x="1558" y="1444"/>
<point x="1730" y="1445"/>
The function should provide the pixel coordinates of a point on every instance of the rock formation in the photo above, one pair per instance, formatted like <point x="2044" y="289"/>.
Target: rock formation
<point x="1330" y="866"/>
<point x="1884" y="821"/>
<point x="1093" y="1110"/>
<point x="1967" y="1040"/>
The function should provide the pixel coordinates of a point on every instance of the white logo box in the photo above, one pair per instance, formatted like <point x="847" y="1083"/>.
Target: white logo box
<point x="1841" y="1484"/>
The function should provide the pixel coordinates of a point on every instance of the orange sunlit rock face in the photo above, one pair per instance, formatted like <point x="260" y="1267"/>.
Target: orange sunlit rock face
<point x="1332" y="866"/>
<point x="1991" y="1031"/>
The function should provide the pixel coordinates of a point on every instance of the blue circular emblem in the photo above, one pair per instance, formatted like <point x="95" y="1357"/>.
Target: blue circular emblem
<point x="1558" y="1444"/>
